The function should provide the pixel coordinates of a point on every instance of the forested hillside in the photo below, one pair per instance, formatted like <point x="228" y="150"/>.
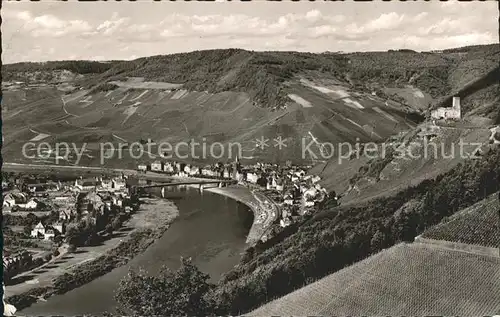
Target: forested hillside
<point x="21" y="71"/>
<point x="261" y="75"/>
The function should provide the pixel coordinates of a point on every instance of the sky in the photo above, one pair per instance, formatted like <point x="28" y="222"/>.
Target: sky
<point x="50" y="30"/>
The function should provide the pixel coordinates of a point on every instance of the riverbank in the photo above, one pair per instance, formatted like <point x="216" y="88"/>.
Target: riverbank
<point x="76" y="269"/>
<point x="263" y="216"/>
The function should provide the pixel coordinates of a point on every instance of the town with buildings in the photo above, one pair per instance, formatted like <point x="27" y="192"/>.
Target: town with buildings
<point x="41" y="216"/>
<point x="288" y="186"/>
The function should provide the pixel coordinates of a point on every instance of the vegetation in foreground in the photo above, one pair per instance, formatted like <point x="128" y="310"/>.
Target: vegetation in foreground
<point x="179" y="293"/>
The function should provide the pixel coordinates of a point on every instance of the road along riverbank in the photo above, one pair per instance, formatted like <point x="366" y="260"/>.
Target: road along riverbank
<point x="88" y="263"/>
<point x="265" y="212"/>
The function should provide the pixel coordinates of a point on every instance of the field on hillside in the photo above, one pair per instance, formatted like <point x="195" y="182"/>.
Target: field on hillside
<point x="411" y="95"/>
<point x="240" y="96"/>
<point x="92" y="121"/>
<point x="476" y="225"/>
<point x="423" y="153"/>
<point x="407" y="279"/>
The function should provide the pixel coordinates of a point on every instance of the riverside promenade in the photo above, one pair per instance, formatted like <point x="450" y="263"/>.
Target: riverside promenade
<point x="264" y="210"/>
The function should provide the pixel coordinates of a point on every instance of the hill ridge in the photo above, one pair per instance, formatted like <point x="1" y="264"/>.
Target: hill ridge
<point x="263" y="74"/>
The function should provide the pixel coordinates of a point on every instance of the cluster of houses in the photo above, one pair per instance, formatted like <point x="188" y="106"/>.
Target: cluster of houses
<point x="259" y="173"/>
<point x="72" y="201"/>
<point x="25" y="196"/>
<point x="48" y="232"/>
<point x="18" y="201"/>
<point x="61" y="197"/>
<point x="92" y="199"/>
<point x="296" y="192"/>
<point x="96" y="204"/>
<point x="179" y="169"/>
<point x="100" y="184"/>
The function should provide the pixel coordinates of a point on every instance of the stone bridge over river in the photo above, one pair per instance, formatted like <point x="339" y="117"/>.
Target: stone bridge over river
<point x="201" y="183"/>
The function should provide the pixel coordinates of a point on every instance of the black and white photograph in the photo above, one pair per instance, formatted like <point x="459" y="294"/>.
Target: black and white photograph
<point x="250" y="158"/>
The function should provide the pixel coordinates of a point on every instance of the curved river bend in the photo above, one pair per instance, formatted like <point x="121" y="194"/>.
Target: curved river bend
<point x="211" y="229"/>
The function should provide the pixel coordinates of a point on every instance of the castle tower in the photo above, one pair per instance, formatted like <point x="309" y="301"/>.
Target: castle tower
<point x="456" y="106"/>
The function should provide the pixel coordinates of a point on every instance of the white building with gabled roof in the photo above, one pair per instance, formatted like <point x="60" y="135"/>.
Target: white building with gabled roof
<point x="169" y="167"/>
<point x="59" y="227"/>
<point x="38" y="230"/>
<point x="157" y="166"/>
<point x="252" y="177"/>
<point x="30" y="205"/>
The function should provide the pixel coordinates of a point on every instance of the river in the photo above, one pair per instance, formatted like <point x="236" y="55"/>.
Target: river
<point x="211" y="229"/>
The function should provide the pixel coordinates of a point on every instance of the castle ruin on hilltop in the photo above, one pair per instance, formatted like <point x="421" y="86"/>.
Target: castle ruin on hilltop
<point x="453" y="113"/>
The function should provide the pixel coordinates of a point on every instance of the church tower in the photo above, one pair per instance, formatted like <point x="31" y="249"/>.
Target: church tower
<point x="236" y="168"/>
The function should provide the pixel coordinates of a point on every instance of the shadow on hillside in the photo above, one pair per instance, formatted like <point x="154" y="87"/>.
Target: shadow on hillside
<point x="118" y="235"/>
<point x="80" y="251"/>
<point x="126" y="229"/>
<point x="19" y="280"/>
